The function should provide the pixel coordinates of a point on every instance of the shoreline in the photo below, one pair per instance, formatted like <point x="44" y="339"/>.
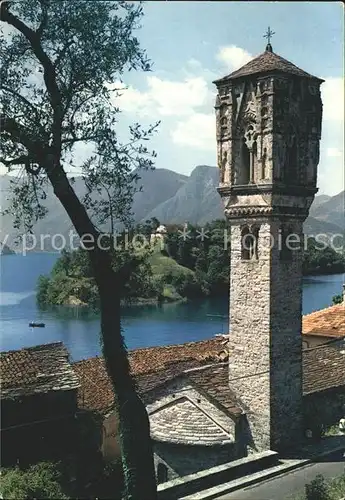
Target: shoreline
<point x="124" y="303"/>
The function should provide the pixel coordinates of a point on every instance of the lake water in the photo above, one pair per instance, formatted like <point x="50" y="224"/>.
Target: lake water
<point x="143" y="326"/>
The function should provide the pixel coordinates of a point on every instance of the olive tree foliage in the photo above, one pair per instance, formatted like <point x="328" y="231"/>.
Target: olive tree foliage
<point x="61" y="61"/>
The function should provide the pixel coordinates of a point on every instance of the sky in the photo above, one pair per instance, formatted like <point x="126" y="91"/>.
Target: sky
<point x="191" y="44"/>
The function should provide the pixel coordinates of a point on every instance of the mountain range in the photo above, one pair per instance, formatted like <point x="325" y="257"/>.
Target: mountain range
<point x="174" y="198"/>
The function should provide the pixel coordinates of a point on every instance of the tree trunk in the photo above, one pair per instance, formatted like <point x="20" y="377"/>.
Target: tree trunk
<point x="135" y="440"/>
<point x="136" y="446"/>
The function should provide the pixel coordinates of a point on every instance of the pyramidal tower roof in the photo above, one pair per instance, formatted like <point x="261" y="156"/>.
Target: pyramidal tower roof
<point x="267" y="62"/>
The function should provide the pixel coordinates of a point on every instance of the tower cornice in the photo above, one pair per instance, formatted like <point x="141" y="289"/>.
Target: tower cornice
<point x="252" y="189"/>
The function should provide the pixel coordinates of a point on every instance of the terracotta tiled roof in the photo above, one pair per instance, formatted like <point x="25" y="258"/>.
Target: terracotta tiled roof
<point x="265" y="63"/>
<point x="151" y="367"/>
<point x="324" y="367"/>
<point x="95" y="391"/>
<point x="214" y="381"/>
<point x="329" y="322"/>
<point x="211" y="380"/>
<point x="148" y="381"/>
<point x="36" y="369"/>
<point x="156" y="358"/>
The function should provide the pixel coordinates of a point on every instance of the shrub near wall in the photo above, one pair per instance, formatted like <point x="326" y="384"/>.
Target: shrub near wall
<point x="321" y="489"/>
<point x="323" y="409"/>
<point x="38" y="481"/>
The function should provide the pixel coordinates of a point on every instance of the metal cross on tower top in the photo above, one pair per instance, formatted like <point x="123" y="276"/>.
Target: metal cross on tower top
<point x="269" y="34"/>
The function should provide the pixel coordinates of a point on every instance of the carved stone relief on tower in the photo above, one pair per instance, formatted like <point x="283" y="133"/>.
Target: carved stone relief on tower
<point x="250" y="112"/>
<point x="244" y="132"/>
<point x="313" y="90"/>
<point x="224" y="160"/>
<point x="280" y="157"/>
<point x="294" y="108"/>
<point x="223" y="114"/>
<point x="264" y="169"/>
<point x="237" y="97"/>
<point x="314" y="156"/>
<point x="247" y="109"/>
<point x="266" y="85"/>
<point x="290" y="172"/>
<point x="223" y="122"/>
<point x="265" y="112"/>
<point x="250" y="135"/>
<point x="303" y="161"/>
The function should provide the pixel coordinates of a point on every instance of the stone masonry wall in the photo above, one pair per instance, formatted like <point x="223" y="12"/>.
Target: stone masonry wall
<point x="181" y="390"/>
<point x="184" y="459"/>
<point x="286" y="343"/>
<point x="265" y="337"/>
<point x="186" y="427"/>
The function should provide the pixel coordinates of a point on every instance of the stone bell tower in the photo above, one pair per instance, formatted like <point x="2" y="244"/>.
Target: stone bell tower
<point x="268" y="131"/>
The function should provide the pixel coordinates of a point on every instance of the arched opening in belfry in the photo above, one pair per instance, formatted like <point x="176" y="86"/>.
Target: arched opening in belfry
<point x="223" y="162"/>
<point x="162" y="473"/>
<point x="245" y="244"/>
<point x="223" y="126"/>
<point x="249" y="243"/>
<point x="255" y="231"/>
<point x="254" y="162"/>
<point x="244" y="173"/>
<point x="263" y="164"/>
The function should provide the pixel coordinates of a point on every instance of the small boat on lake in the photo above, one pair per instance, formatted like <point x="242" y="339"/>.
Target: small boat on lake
<point x="33" y="324"/>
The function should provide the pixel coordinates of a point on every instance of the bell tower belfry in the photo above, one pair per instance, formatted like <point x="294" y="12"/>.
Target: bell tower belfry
<point x="268" y="118"/>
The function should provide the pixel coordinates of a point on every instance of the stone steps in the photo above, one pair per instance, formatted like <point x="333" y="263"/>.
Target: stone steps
<point x="236" y="484"/>
<point x="209" y="478"/>
<point x="336" y="443"/>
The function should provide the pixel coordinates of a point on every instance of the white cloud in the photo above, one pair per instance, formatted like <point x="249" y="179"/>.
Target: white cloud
<point x="194" y="64"/>
<point x="334" y="153"/>
<point x="129" y="99"/>
<point x="3" y="169"/>
<point x="331" y="168"/>
<point x="233" y="57"/>
<point x="164" y="97"/>
<point x="178" y="98"/>
<point x="332" y="93"/>
<point x="197" y="131"/>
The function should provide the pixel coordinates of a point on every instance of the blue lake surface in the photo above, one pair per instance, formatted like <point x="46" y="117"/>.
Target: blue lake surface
<point x="143" y="326"/>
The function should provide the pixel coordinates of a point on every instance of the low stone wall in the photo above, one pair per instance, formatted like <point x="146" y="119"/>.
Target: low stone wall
<point x="323" y="409"/>
<point x="185" y="460"/>
<point x="204" y="479"/>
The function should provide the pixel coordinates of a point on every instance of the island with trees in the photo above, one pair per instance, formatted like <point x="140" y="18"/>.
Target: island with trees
<point x="192" y="263"/>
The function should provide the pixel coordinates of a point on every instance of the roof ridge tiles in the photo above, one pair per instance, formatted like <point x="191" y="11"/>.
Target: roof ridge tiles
<point x="267" y="62"/>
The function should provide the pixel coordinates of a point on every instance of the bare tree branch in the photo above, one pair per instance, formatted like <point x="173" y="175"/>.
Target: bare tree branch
<point x="48" y="69"/>
<point x="23" y="99"/>
<point x="20" y="134"/>
<point x="43" y="24"/>
<point x="76" y="139"/>
<point x="21" y="160"/>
